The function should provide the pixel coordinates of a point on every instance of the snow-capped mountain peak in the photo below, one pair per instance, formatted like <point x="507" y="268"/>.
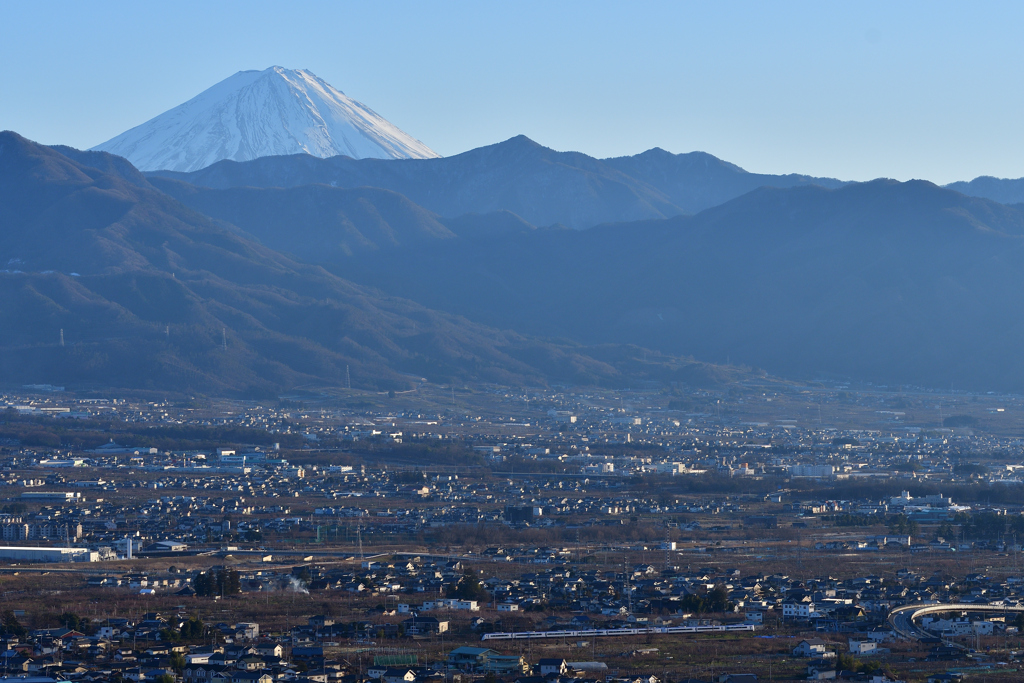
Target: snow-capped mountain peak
<point x="263" y="113"/>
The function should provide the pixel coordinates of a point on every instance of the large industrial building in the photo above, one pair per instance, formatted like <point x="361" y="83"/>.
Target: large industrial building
<point x="52" y="496"/>
<point x="29" y="554"/>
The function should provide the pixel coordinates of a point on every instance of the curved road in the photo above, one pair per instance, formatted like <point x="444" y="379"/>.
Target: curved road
<point x="902" y="619"/>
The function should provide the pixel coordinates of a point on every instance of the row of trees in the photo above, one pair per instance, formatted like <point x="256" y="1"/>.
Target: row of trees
<point x="191" y="630"/>
<point x="897" y="524"/>
<point x="74" y="622"/>
<point x="985" y="525"/>
<point x="848" y="519"/>
<point x="468" y="587"/>
<point x="220" y="582"/>
<point x="10" y="626"/>
<point x="847" y="662"/>
<point x="89" y="433"/>
<point x="715" y="600"/>
<point x="901" y="524"/>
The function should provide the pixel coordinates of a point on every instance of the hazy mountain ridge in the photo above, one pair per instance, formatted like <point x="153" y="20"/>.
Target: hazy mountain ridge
<point x="697" y="181"/>
<point x="1002" y="190"/>
<point x="866" y="280"/>
<point x="886" y="281"/>
<point x="145" y="292"/>
<point x="316" y="223"/>
<point x="542" y="186"/>
<point x="323" y="224"/>
<point x="520" y="176"/>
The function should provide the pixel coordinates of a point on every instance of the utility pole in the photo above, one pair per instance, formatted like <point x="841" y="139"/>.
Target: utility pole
<point x="629" y="587"/>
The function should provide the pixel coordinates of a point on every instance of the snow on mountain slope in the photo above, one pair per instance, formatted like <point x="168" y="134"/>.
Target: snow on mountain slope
<point x="263" y="113"/>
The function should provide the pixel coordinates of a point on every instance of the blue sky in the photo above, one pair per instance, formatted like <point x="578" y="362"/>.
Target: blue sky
<point x="855" y="90"/>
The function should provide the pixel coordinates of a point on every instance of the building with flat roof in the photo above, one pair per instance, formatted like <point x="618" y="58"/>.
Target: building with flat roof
<point x="57" y="496"/>
<point x="17" y="553"/>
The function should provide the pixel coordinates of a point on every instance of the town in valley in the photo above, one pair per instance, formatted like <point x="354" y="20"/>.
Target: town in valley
<point x="474" y="532"/>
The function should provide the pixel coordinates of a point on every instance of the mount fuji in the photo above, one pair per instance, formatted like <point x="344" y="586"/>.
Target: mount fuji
<point x="263" y="113"/>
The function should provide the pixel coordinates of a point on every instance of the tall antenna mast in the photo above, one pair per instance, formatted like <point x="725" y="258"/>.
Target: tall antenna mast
<point x="348" y="378"/>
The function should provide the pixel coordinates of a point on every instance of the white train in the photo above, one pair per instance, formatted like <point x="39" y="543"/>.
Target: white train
<point x="599" y="632"/>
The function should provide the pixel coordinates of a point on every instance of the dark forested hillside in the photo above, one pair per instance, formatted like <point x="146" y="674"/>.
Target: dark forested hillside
<point x="892" y="282"/>
<point x="898" y="283"/>
<point x="316" y="222"/>
<point x="108" y="282"/>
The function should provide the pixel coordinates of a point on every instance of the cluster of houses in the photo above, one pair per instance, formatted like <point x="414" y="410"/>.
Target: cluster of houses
<point x="638" y="594"/>
<point x="205" y="522"/>
<point x="550" y="424"/>
<point x="140" y="651"/>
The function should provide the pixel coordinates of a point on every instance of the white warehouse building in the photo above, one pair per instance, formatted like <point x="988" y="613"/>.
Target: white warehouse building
<point x="20" y="553"/>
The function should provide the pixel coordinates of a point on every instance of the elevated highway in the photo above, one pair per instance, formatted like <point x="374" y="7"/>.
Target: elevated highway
<point x="902" y="619"/>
